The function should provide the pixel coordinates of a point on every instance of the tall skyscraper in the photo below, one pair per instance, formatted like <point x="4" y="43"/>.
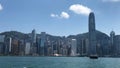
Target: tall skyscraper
<point x="42" y="42"/>
<point x="2" y="44"/>
<point x="15" y="47"/>
<point x="33" y="47"/>
<point x="43" y="37"/>
<point x="84" y="47"/>
<point x="116" y="48"/>
<point x="27" y="48"/>
<point x="33" y="36"/>
<point x="112" y="47"/>
<point x="8" y="41"/>
<point x="92" y="36"/>
<point x="112" y="34"/>
<point x="73" y="47"/>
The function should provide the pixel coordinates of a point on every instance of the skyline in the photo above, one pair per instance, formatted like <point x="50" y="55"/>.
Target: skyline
<point x="92" y="44"/>
<point x="60" y="18"/>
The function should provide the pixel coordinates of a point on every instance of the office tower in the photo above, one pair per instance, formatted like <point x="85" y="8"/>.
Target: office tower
<point x="42" y="42"/>
<point x="33" y="36"/>
<point x="92" y="36"/>
<point x="8" y="41"/>
<point x="43" y="39"/>
<point x="112" y="47"/>
<point x="84" y="47"/>
<point x="99" y="49"/>
<point x="116" y="45"/>
<point x="2" y="38"/>
<point x="112" y="34"/>
<point x="73" y="47"/>
<point x="21" y="44"/>
<point x="33" y="48"/>
<point x="38" y="44"/>
<point x="15" y="47"/>
<point x="115" y="42"/>
<point x="27" y="48"/>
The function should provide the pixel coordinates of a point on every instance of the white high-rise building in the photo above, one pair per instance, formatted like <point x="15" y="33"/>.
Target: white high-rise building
<point x="10" y="41"/>
<point x="73" y="47"/>
<point x="27" y="48"/>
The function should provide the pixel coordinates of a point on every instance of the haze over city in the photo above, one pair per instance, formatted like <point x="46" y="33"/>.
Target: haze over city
<point x="59" y="17"/>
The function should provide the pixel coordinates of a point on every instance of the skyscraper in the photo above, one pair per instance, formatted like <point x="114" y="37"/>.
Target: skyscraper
<point x="8" y="41"/>
<point x="73" y="47"/>
<point x="92" y="36"/>
<point x="112" y="47"/>
<point x="116" y="48"/>
<point x="2" y="44"/>
<point x="27" y="48"/>
<point x="33" y="36"/>
<point x="33" y="47"/>
<point x="42" y="42"/>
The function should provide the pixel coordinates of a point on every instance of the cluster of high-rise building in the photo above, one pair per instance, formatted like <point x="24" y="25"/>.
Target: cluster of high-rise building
<point x="37" y="45"/>
<point x="87" y="44"/>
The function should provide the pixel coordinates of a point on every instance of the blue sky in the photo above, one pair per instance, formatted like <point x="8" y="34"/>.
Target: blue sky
<point x="59" y="17"/>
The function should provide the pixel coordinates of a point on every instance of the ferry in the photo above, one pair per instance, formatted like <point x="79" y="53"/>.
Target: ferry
<point x="93" y="56"/>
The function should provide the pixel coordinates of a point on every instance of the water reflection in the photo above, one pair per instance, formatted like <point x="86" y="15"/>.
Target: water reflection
<point x="95" y="63"/>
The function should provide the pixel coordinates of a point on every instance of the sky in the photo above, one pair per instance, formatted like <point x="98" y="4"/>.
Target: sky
<point x="59" y="17"/>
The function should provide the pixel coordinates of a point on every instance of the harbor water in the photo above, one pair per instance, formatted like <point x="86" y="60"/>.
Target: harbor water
<point x="58" y="62"/>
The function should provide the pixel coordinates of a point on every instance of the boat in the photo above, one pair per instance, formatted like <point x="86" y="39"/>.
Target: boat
<point x="93" y="56"/>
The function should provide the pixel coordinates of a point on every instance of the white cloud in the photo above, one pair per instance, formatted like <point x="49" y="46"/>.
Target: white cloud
<point x="64" y="15"/>
<point x="80" y="9"/>
<point x="54" y="15"/>
<point x="1" y="7"/>
<point x="111" y="0"/>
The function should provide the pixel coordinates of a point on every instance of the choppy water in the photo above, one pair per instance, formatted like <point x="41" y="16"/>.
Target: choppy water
<point x="58" y="62"/>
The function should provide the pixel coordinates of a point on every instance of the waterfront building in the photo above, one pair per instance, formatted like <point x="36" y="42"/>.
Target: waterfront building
<point x="99" y="49"/>
<point x="33" y="36"/>
<point x="15" y="47"/>
<point x="112" y="47"/>
<point x="21" y="46"/>
<point x="92" y="35"/>
<point x="42" y="43"/>
<point x="73" y="47"/>
<point x="84" y="47"/>
<point x="33" y="47"/>
<point x="65" y="51"/>
<point x="117" y="45"/>
<point x="8" y="41"/>
<point x="43" y="39"/>
<point x="27" y="48"/>
<point x="2" y="44"/>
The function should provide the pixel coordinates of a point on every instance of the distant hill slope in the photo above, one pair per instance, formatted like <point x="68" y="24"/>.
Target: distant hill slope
<point x="101" y="37"/>
<point x="15" y="34"/>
